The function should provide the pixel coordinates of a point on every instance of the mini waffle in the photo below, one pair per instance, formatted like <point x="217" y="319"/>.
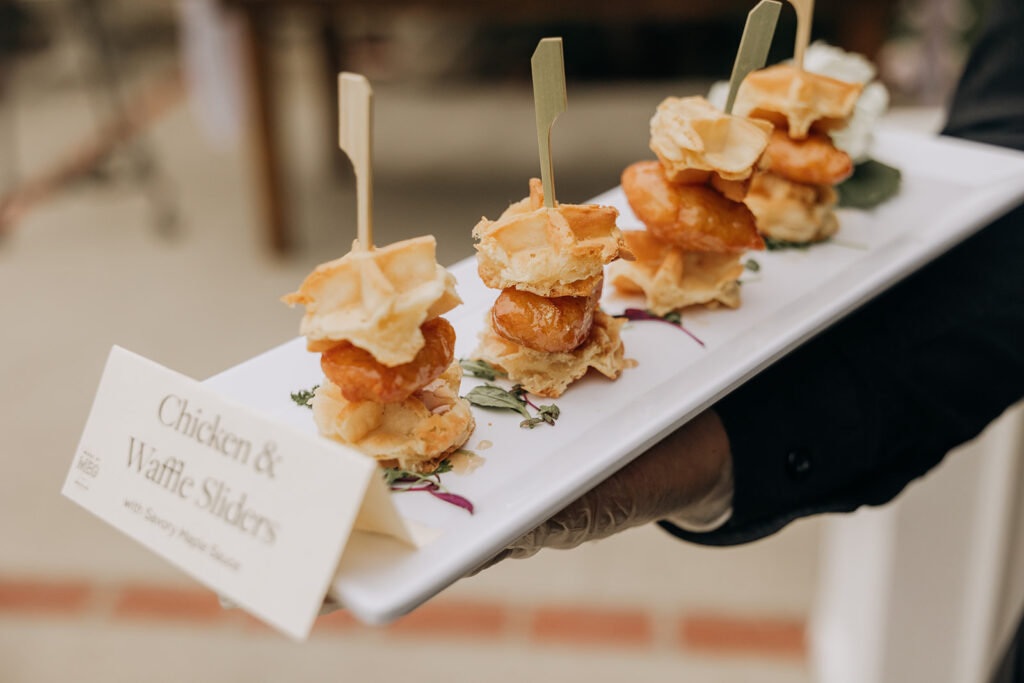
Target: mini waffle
<point x="376" y="299"/>
<point x="550" y="252"/>
<point x="671" y="278"/>
<point x="797" y="100"/>
<point x="549" y="374"/>
<point x="660" y="206"/>
<point x="694" y="139"/>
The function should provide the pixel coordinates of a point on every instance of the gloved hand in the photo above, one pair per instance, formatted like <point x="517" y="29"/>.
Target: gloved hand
<point x="687" y="475"/>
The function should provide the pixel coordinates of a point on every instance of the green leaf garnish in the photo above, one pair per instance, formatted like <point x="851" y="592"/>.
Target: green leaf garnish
<point x="772" y="244"/>
<point x="674" y="317"/>
<point x="393" y="475"/>
<point x="545" y="414"/>
<point x="517" y="399"/>
<point x="303" y="397"/>
<point x="492" y="396"/>
<point x="871" y="184"/>
<point x="752" y="265"/>
<point x="481" y="369"/>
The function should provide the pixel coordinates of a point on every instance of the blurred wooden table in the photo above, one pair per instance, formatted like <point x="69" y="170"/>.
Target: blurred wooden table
<point x="862" y="26"/>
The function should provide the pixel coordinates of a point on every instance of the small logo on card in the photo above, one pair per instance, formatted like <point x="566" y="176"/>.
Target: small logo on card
<point x="87" y="465"/>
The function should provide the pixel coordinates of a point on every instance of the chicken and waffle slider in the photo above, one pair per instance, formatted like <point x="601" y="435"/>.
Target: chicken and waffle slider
<point x="792" y="197"/>
<point x="546" y="329"/>
<point x="691" y="204"/>
<point x="391" y="379"/>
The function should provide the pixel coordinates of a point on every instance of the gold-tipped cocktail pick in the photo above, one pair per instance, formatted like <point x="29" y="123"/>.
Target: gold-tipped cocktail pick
<point x="804" y="14"/>
<point x="754" y="45"/>
<point x="548" y="102"/>
<point x="355" y="137"/>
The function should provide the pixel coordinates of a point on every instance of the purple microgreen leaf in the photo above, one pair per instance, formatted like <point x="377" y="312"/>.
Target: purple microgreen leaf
<point x="405" y="480"/>
<point x="452" y="498"/>
<point x="440" y="493"/>
<point x="672" y="318"/>
<point x="520" y="393"/>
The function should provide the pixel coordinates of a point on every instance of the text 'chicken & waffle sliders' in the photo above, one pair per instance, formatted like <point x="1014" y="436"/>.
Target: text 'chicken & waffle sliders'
<point x="546" y="328"/>
<point x="391" y="387"/>
<point x="793" y="197"/>
<point x="691" y="203"/>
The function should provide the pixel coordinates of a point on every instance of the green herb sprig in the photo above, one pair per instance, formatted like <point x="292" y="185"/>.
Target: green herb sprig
<point x="545" y="414"/>
<point x="394" y="475"/>
<point x="772" y="244"/>
<point x="303" y="397"/>
<point x="514" y="399"/>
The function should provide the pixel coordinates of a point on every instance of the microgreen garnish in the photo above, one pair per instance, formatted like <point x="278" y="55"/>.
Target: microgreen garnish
<point x="493" y="396"/>
<point x="393" y="475"/>
<point x="772" y="244"/>
<point x="752" y="265"/>
<point x="672" y="318"/>
<point x="303" y="397"/>
<point x="546" y="414"/>
<point x="481" y="369"/>
<point x="519" y="391"/>
<point x="516" y="399"/>
<point x="406" y="480"/>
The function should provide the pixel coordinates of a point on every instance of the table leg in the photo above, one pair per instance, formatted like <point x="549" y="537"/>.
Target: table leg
<point x="263" y="128"/>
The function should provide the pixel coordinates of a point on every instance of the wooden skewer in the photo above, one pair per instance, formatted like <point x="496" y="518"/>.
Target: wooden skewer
<point x="355" y="137"/>
<point x="549" y="101"/>
<point x="754" y="45"/>
<point x="804" y="13"/>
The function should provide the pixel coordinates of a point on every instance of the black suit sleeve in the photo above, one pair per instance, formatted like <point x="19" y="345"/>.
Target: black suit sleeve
<point x="877" y="400"/>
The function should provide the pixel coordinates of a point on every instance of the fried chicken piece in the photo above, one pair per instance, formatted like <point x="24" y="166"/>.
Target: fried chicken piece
<point x="554" y="325"/>
<point x="792" y="212"/>
<point x="414" y="434"/>
<point x="812" y="161"/>
<point x="361" y="377"/>
<point x="692" y="217"/>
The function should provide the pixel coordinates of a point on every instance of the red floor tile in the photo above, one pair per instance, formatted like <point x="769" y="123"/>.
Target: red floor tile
<point x="738" y="635"/>
<point x="168" y="603"/>
<point x="591" y="626"/>
<point x="43" y="596"/>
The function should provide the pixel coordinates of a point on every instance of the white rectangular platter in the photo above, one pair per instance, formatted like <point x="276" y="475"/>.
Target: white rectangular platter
<point x="950" y="189"/>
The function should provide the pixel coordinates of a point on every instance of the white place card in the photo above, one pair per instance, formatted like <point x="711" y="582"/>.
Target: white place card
<point x="256" y="510"/>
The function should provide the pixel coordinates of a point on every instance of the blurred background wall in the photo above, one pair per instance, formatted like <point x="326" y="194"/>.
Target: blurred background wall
<point x="169" y="169"/>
